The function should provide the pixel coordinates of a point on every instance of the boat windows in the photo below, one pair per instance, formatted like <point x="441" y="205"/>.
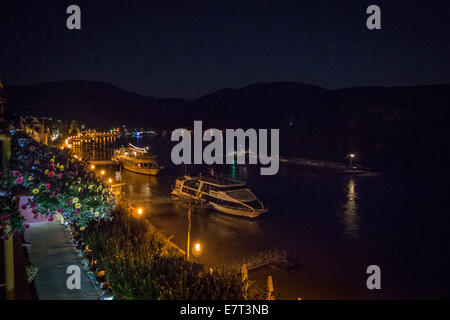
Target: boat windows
<point x="244" y="195"/>
<point x="189" y="191"/>
<point x="206" y="188"/>
<point x="230" y="204"/>
<point x="192" y="184"/>
<point x="255" y="204"/>
<point x="214" y="188"/>
<point x="225" y="189"/>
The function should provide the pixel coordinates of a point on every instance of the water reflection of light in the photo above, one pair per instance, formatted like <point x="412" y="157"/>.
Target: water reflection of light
<point x="350" y="218"/>
<point x="227" y="227"/>
<point x="118" y="176"/>
<point x="138" y="186"/>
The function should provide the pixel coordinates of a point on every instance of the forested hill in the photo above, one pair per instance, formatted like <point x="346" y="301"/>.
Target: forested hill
<point x="385" y="125"/>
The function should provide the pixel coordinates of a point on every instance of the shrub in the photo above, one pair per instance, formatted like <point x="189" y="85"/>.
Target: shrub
<point x="140" y="264"/>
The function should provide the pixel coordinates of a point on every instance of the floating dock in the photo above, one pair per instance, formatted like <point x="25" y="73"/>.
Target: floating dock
<point x="328" y="165"/>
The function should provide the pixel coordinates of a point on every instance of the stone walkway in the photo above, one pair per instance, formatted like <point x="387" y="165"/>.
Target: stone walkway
<point x="52" y="252"/>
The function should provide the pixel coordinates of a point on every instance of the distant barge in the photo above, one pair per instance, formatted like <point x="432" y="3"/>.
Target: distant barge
<point x="328" y="165"/>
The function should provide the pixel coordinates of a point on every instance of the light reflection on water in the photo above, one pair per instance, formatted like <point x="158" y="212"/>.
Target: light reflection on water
<point x="139" y="186"/>
<point x="228" y="227"/>
<point x="350" y="216"/>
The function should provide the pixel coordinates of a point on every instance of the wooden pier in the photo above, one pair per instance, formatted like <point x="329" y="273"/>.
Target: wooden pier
<point x="102" y="162"/>
<point x="93" y="145"/>
<point x="254" y="261"/>
<point x="156" y="200"/>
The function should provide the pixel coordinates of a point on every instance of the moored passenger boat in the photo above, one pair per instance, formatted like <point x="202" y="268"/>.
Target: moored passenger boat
<point x="137" y="159"/>
<point x="224" y="195"/>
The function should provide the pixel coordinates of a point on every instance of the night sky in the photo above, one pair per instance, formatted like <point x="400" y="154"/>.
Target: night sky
<point x="191" y="48"/>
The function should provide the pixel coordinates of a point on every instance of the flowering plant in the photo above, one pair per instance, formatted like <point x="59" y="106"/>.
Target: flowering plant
<point x="59" y="184"/>
<point x="11" y="221"/>
<point x="32" y="271"/>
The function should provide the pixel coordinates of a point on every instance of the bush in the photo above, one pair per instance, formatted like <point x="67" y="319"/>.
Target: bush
<point x="58" y="183"/>
<point x="140" y="264"/>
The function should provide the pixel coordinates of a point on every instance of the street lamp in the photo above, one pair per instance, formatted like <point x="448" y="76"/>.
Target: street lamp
<point x="102" y="172"/>
<point x="188" y="246"/>
<point x="350" y="157"/>
<point x="139" y="211"/>
<point x="92" y="167"/>
<point x="110" y="180"/>
<point x="197" y="247"/>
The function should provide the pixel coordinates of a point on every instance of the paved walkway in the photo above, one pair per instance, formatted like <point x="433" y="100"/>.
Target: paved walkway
<point x="52" y="252"/>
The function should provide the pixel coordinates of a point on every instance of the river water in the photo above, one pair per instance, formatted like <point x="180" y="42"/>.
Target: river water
<point x="333" y="227"/>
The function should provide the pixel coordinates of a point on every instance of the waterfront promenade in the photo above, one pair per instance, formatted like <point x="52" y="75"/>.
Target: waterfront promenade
<point x="52" y="252"/>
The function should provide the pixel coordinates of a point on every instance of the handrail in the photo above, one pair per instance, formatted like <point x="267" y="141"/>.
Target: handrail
<point x="255" y="260"/>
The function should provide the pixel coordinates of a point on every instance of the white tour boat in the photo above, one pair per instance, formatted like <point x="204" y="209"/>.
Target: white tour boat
<point x="137" y="160"/>
<point x="224" y="195"/>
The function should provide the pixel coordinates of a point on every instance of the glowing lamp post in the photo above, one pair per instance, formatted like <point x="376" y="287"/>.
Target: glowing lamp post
<point x="92" y="167"/>
<point x="102" y="172"/>
<point x="188" y="246"/>
<point x="197" y="247"/>
<point x="350" y="157"/>
<point x="140" y="211"/>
